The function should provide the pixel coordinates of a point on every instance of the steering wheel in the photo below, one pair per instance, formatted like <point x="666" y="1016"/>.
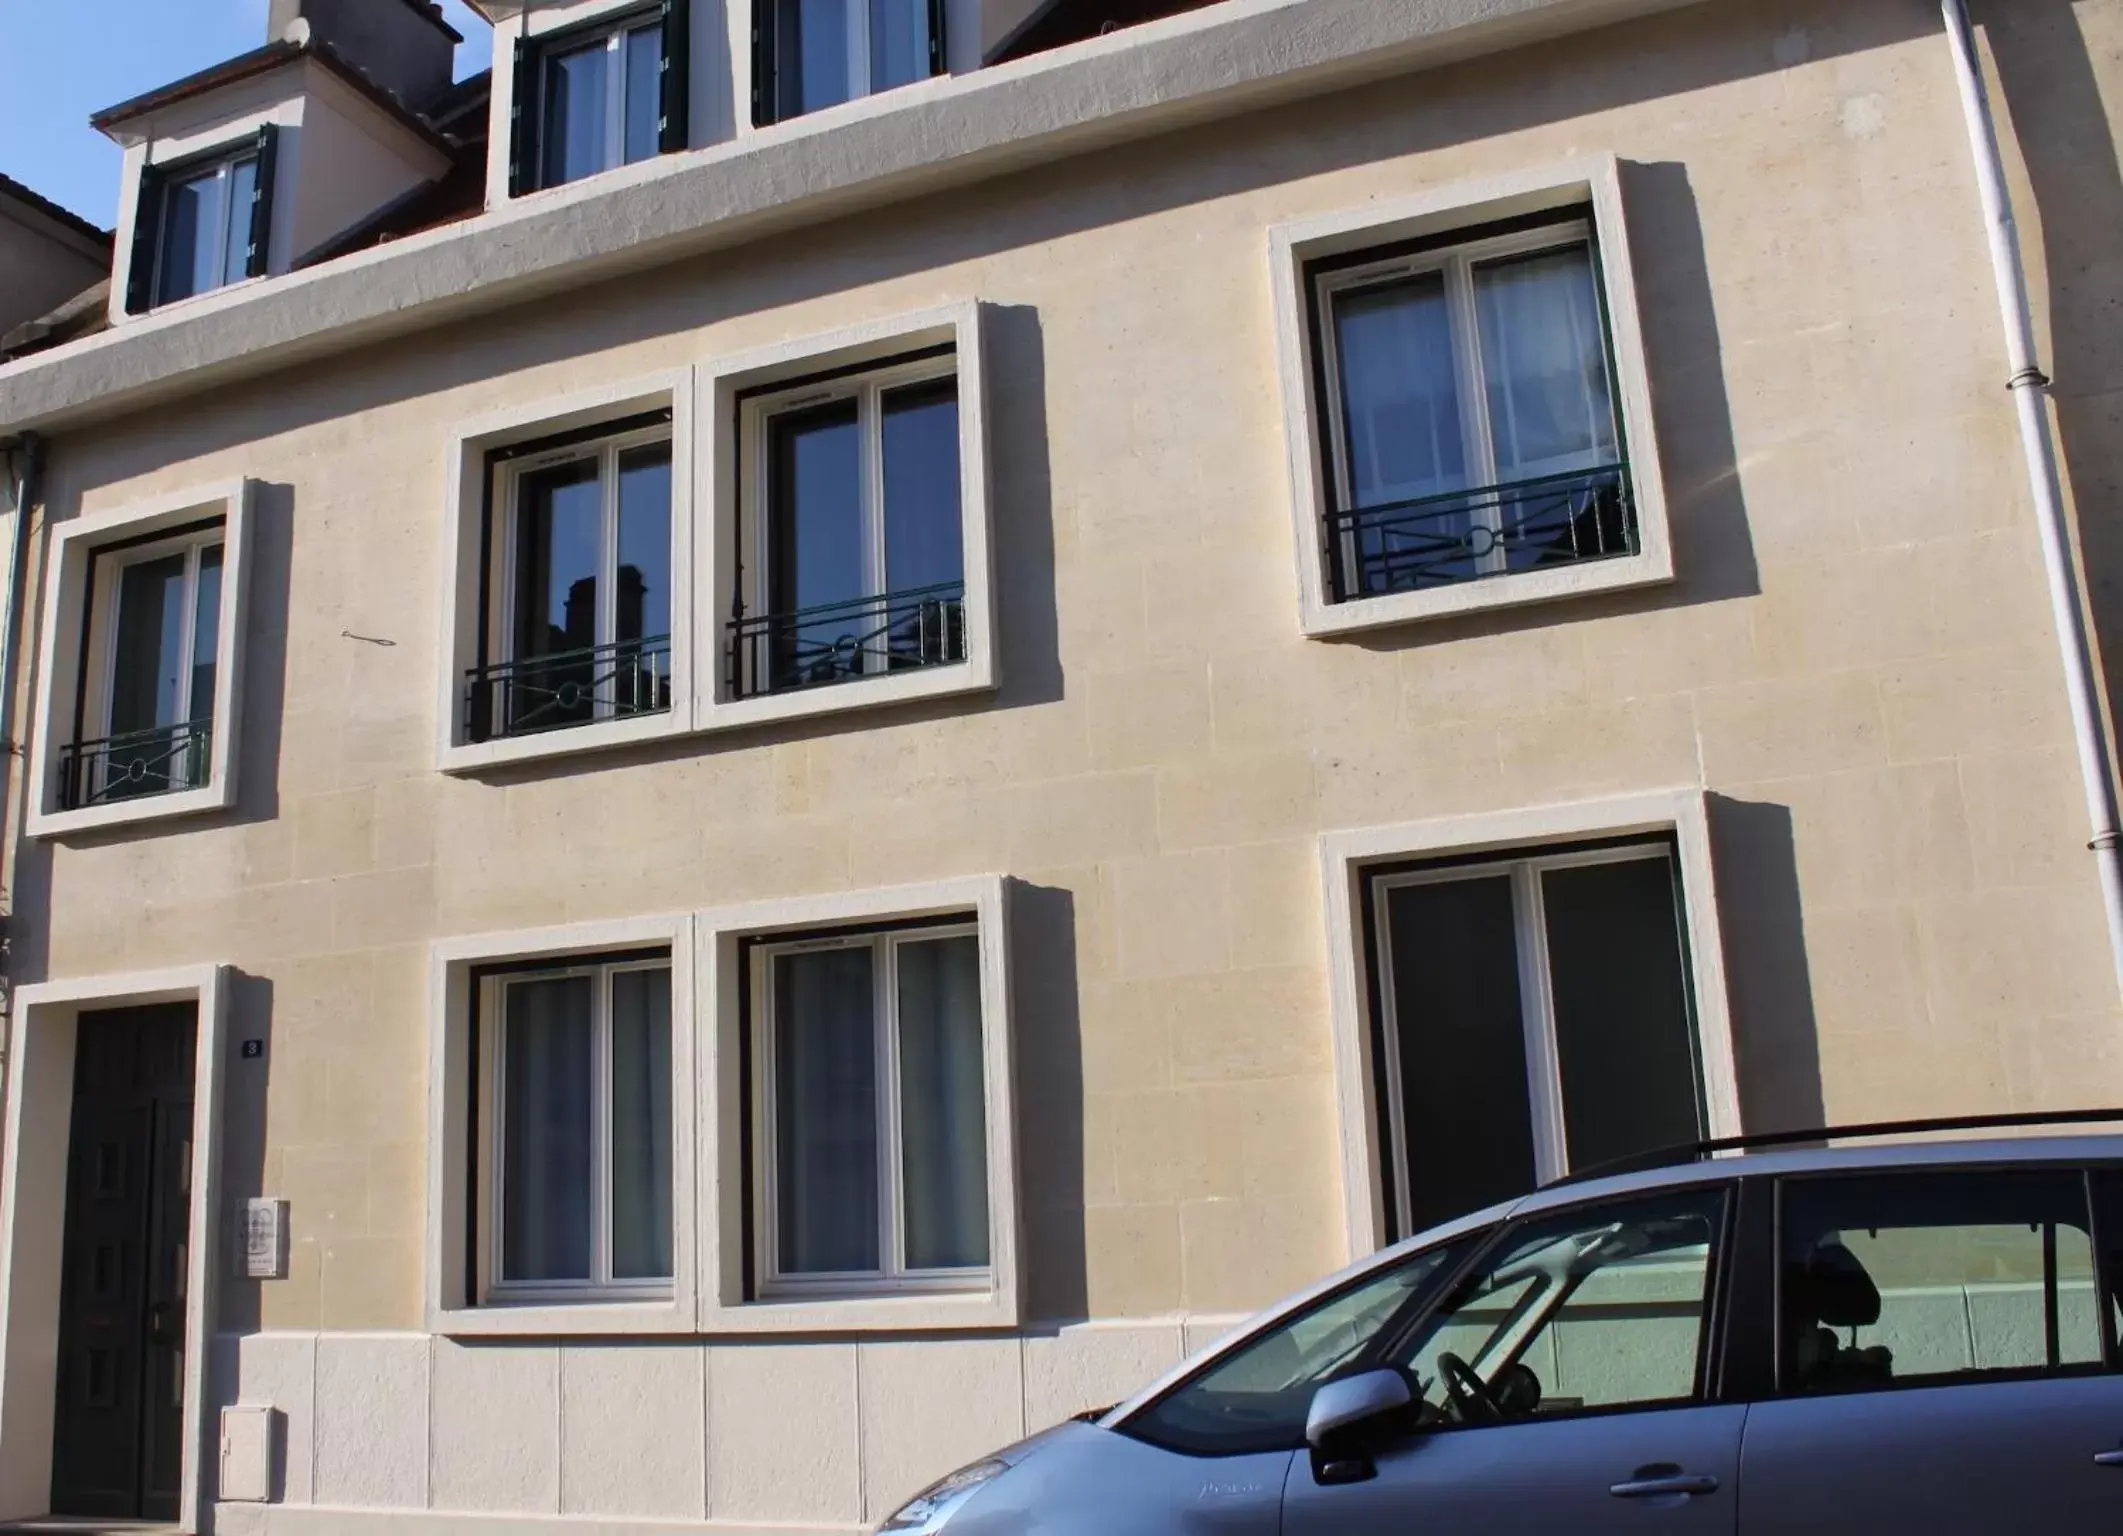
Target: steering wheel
<point x="1471" y="1398"/>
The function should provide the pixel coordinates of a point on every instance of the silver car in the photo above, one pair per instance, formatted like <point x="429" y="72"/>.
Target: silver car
<point x="1918" y="1337"/>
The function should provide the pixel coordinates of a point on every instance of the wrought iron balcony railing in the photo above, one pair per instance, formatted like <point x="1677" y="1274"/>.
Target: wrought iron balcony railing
<point x="160" y="761"/>
<point x="550" y="693"/>
<point x="1437" y="541"/>
<point x="838" y="642"/>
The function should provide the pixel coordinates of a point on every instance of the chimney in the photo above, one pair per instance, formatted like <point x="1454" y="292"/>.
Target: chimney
<point x="403" y="45"/>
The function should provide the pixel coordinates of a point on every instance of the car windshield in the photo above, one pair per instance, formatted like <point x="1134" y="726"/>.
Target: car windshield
<point x="1255" y="1398"/>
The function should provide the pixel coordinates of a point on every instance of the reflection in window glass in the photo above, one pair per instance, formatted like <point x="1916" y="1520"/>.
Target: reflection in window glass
<point x="825" y="1111"/>
<point x="899" y="42"/>
<point x="1544" y="354"/>
<point x="573" y="129"/>
<point x="205" y="234"/>
<point x="644" y="65"/>
<point x="558" y="525"/>
<point x="641" y="1125"/>
<point x="548" y="1067"/>
<point x="943" y="1119"/>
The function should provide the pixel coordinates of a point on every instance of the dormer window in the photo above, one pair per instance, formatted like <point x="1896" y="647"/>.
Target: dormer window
<point x="591" y="98"/>
<point x="813" y="54"/>
<point x="203" y="223"/>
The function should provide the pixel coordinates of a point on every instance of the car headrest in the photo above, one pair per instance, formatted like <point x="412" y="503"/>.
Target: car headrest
<point x="1834" y="1289"/>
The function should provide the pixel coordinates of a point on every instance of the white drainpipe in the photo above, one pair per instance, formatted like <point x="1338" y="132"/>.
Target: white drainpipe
<point x="2030" y="387"/>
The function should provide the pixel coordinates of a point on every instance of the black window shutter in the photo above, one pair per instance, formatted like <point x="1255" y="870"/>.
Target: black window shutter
<point x="763" y="84"/>
<point x="673" y="84"/>
<point x="936" y="37"/>
<point x="521" y="116"/>
<point x="147" y="235"/>
<point x="261" y="246"/>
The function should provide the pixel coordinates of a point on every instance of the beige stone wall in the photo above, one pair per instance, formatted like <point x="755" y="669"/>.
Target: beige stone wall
<point x="1855" y="659"/>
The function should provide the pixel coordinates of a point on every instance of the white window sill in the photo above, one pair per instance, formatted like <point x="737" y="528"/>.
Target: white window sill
<point x="587" y="1319"/>
<point x="907" y="1312"/>
<point x="1617" y="574"/>
<point x="125" y="813"/>
<point x="474" y="757"/>
<point x="976" y="674"/>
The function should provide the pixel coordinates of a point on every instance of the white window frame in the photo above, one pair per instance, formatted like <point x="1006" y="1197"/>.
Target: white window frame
<point x="1349" y="859"/>
<point x="614" y="42"/>
<point x="893" y="1276"/>
<point x="1544" y="1081"/>
<point x="731" y="1298"/>
<point x="601" y="1285"/>
<point x="457" y="1293"/>
<point x="474" y="487"/>
<point x="1456" y="264"/>
<point x="222" y="170"/>
<point x="730" y="380"/>
<point x="1310" y="420"/>
<point x="66" y="663"/>
<point x="867" y="390"/>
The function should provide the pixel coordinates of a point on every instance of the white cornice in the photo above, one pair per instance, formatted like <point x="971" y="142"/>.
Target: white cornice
<point x="1227" y="58"/>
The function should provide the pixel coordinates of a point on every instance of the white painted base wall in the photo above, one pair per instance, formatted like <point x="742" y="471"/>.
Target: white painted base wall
<point x="417" y="1433"/>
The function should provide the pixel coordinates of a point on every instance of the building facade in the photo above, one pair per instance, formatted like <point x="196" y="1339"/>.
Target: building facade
<point x="774" y="752"/>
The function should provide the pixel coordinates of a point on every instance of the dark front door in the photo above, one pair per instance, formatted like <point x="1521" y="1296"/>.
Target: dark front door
<point x="118" y="1420"/>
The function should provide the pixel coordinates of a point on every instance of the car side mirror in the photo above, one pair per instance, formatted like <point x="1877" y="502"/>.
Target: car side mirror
<point x="1341" y="1411"/>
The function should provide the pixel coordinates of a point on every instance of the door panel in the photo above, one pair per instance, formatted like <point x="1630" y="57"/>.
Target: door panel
<point x="118" y="1414"/>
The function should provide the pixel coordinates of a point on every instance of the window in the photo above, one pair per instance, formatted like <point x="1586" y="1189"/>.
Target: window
<point x="590" y="99"/>
<point x="852" y="562"/>
<point x="1598" y="1308"/>
<point x="1471" y="404"/>
<point x="579" y="584"/>
<point x="1256" y="1398"/>
<point x="1925" y="1279"/>
<point x="202" y="224"/>
<point x="870" y="1142"/>
<point x="577" y="1102"/>
<point x="1532" y="1015"/>
<point x="819" y="53"/>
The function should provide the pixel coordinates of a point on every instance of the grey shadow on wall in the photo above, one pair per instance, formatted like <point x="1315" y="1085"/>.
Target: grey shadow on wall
<point x="245" y="1083"/>
<point x="1775" y="1039"/>
<point x="2050" y="101"/>
<point x="1048" y="1066"/>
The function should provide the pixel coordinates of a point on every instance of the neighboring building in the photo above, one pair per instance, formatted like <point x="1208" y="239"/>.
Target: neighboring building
<point x="819" y="747"/>
<point x="47" y="255"/>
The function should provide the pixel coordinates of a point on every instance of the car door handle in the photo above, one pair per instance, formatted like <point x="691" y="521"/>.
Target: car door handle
<point x="1665" y="1485"/>
<point x="2108" y="1458"/>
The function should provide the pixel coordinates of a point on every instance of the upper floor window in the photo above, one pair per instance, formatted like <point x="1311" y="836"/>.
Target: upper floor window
<point x="1471" y="403"/>
<point x="578" y="586"/>
<point x="202" y="224"/>
<point x="853" y="556"/>
<point x="592" y="98"/>
<point x="819" y="53"/>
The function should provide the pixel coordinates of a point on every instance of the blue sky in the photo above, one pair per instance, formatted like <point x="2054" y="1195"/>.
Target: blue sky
<point x="66" y="59"/>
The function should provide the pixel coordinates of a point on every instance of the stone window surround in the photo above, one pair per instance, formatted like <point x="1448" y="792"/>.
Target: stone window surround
<point x="1347" y="856"/>
<point x="709" y="1187"/>
<point x="1593" y="179"/>
<point x="33" y="1158"/>
<point x="61" y="659"/>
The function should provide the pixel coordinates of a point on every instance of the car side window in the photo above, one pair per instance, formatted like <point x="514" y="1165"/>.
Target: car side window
<point x="1256" y="1397"/>
<point x="1597" y="1308"/>
<point x="1932" y="1278"/>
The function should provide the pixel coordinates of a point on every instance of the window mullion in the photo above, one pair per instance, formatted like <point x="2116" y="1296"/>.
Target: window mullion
<point x="1544" y="1085"/>
<point x="615" y="100"/>
<point x="870" y="433"/>
<point x="892" y="1250"/>
<point x="858" y="48"/>
<point x="225" y="185"/>
<point x="187" y="634"/>
<point x="1476" y="430"/>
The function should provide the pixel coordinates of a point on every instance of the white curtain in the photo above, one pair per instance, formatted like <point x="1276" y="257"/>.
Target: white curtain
<point x="641" y="1125"/>
<point x="1400" y="399"/>
<point x="825" y="1111"/>
<point x="943" y="1110"/>
<point x="548" y="1062"/>
<point x="1544" y="354"/>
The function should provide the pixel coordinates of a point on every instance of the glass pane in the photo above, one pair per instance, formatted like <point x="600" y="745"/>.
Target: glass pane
<point x="1453" y="950"/>
<point x="1401" y="432"/>
<point x="1624" y="1027"/>
<point x="206" y="634"/>
<point x="547" y="1160"/>
<point x="1591" y="1309"/>
<point x="644" y="50"/>
<point x="147" y="662"/>
<point x="572" y="134"/>
<point x="641" y="1125"/>
<point x="195" y="212"/>
<point x="899" y="42"/>
<point x="811" y="62"/>
<point x="1916" y="1278"/>
<point x="559" y="528"/>
<point x="943" y="1120"/>
<point x="1544" y="356"/>
<point x="1257" y="1398"/>
<point x="815" y="554"/>
<point x="924" y="556"/>
<point x="243" y="186"/>
<point x="642" y="677"/>
<point x="825" y="1111"/>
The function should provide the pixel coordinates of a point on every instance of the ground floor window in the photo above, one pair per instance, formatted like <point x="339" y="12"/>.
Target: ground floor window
<point x="1533" y="1015"/>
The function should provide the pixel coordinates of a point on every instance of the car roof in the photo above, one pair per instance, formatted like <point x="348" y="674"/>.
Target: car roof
<point x="1959" y="1152"/>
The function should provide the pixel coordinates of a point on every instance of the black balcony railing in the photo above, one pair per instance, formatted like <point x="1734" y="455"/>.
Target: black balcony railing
<point x="125" y="767"/>
<point x="550" y="693"/>
<point x="836" y="642"/>
<point x="1438" y="541"/>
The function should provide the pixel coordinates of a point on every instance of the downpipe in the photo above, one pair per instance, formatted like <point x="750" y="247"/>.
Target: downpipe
<point x="2030" y="390"/>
